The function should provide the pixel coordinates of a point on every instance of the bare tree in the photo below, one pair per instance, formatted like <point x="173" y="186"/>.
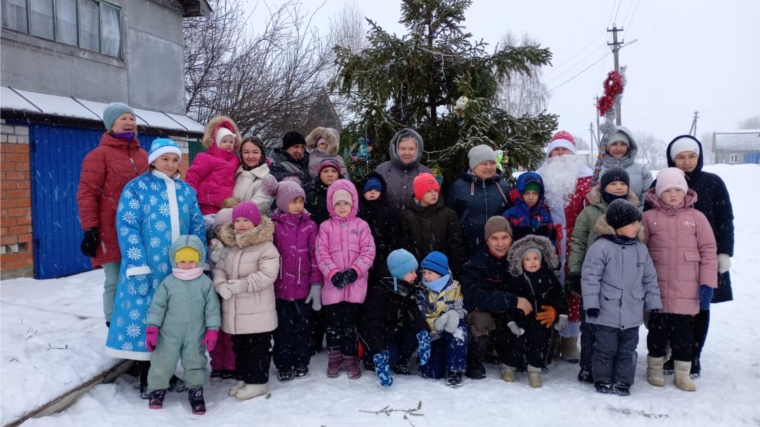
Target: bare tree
<point x="750" y="123"/>
<point x="522" y="94"/>
<point x="651" y="151"/>
<point x="707" y="143"/>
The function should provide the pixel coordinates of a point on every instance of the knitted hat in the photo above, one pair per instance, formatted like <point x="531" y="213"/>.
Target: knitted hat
<point x="423" y="183"/>
<point x="532" y="186"/>
<point x="436" y="261"/>
<point x="187" y="254"/>
<point x="622" y="137"/>
<point x="328" y="162"/>
<point x="614" y="174"/>
<point x="561" y="139"/>
<point x="162" y="146"/>
<point x="287" y="191"/>
<point x="496" y="224"/>
<point x="480" y="154"/>
<point x="681" y="144"/>
<point x="532" y="249"/>
<point x="621" y="213"/>
<point x="247" y="210"/>
<point x="342" y="195"/>
<point x="224" y="216"/>
<point x="221" y="133"/>
<point x="113" y="111"/>
<point x="373" y="183"/>
<point x="670" y="178"/>
<point x="401" y="262"/>
<point x="292" y="138"/>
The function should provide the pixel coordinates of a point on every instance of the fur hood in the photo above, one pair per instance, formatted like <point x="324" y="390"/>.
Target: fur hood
<point x="602" y="228"/>
<point x="214" y="124"/>
<point x="264" y="232"/>
<point x="595" y="196"/>
<point x="332" y="136"/>
<point x="516" y="252"/>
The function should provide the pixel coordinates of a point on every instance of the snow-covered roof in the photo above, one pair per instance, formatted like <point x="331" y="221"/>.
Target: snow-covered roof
<point x="737" y="140"/>
<point x="68" y="106"/>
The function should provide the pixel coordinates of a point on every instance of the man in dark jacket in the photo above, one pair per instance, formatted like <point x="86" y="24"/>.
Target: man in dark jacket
<point x="292" y="159"/>
<point x="685" y="152"/>
<point x="488" y="295"/>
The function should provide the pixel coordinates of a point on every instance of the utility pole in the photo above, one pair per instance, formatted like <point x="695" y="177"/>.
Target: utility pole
<point x="593" y="138"/>
<point x="615" y="49"/>
<point x="598" y="131"/>
<point x="693" y="130"/>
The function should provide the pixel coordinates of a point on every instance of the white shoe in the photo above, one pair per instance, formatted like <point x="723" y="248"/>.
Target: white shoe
<point x="236" y="388"/>
<point x="250" y="391"/>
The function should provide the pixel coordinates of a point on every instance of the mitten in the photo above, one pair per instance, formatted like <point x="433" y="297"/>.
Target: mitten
<point x="547" y="316"/>
<point x="337" y="280"/>
<point x="452" y="324"/>
<point x="440" y="322"/>
<point x="237" y="286"/>
<point x="350" y="276"/>
<point x="209" y="340"/>
<point x="592" y="313"/>
<point x="562" y="322"/>
<point x="518" y="331"/>
<point x="423" y="350"/>
<point x="705" y="297"/>
<point x="89" y="246"/>
<point x="215" y="250"/>
<point x="315" y="297"/>
<point x="383" y="369"/>
<point x="151" y="338"/>
<point x="224" y="291"/>
<point x="573" y="284"/>
<point x="653" y="314"/>
<point x="724" y="263"/>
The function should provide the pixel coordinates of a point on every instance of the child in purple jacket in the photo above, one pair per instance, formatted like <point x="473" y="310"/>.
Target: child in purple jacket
<point x="345" y="252"/>
<point x="298" y="287"/>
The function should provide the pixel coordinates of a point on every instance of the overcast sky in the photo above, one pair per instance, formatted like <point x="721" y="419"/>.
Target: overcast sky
<point x="690" y="55"/>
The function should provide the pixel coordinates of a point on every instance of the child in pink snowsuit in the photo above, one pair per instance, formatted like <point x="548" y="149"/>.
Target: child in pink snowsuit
<point x="345" y="252"/>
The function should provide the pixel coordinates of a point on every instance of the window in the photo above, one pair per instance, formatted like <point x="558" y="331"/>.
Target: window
<point x="90" y="24"/>
<point x="733" y="158"/>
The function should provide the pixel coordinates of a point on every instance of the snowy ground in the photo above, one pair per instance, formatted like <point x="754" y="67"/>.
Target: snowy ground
<point x="728" y="393"/>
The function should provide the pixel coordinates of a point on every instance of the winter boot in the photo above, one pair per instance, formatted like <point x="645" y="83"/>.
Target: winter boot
<point x="683" y="378"/>
<point x="534" y="376"/>
<point x="369" y="364"/>
<point x="518" y="331"/>
<point x="334" y="362"/>
<point x="216" y="374"/>
<point x="454" y="379"/>
<point x="655" y="375"/>
<point x="604" y="387"/>
<point x="177" y="384"/>
<point x="302" y="371"/>
<point x="478" y="349"/>
<point x="585" y="376"/>
<point x="285" y="375"/>
<point x="696" y="369"/>
<point x="227" y="374"/>
<point x="569" y="349"/>
<point x="401" y="369"/>
<point x="157" y="399"/>
<point x="621" y="389"/>
<point x="250" y="391"/>
<point x="144" y="368"/>
<point x="197" y="404"/>
<point x="667" y="367"/>
<point x="351" y="365"/>
<point x="236" y="388"/>
<point x="507" y="373"/>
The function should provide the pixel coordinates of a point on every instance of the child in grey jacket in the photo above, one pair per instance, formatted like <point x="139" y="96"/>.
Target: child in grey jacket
<point x="618" y="281"/>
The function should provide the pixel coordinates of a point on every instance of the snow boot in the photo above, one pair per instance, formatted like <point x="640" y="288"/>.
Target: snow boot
<point x="401" y="369"/>
<point x="518" y="331"/>
<point x="285" y="375"/>
<point x="369" y="365"/>
<point x="157" y="399"/>
<point x="621" y="389"/>
<point x="667" y="367"/>
<point x="302" y="371"/>
<point x="250" y="391"/>
<point x="236" y="388"/>
<point x="682" y="376"/>
<point x="507" y="373"/>
<point x="228" y="374"/>
<point x="585" y="376"/>
<point x="334" y="362"/>
<point x="216" y="374"/>
<point x="197" y="404"/>
<point x="177" y="384"/>
<point x="478" y="349"/>
<point x="604" y="387"/>
<point x="454" y="379"/>
<point x="351" y="365"/>
<point x="569" y="349"/>
<point x="534" y="376"/>
<point x="655" y="375"/>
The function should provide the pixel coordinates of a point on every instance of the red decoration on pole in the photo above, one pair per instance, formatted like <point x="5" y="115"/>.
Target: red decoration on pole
<point x="613" y="86"/>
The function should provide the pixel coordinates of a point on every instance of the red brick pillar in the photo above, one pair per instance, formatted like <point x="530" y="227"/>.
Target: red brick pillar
<point x="16" y="252"/>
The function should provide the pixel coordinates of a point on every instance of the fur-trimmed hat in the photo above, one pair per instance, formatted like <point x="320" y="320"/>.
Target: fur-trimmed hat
<point x="562" y="139"/>
<point x="520" y="247"/>
<point x="209" y="133"/>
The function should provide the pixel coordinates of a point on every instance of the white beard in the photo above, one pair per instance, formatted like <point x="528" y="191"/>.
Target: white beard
<point x="560" y="175"/>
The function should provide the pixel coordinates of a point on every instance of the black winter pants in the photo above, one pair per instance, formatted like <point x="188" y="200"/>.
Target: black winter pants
<point x="531" y="347"/>
<point x="614" y="358"/>
<point x="252" y="357"/>
<point x="700" y="324"/>
<point x="676" y="328"/>
<point x="587" y="342"/>
<point x="342" y="321"/>
<point x="292" y="338"/>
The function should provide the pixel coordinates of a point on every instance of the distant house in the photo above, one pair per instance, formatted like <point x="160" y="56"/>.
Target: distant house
<point x="63" y="61"/>
<point x="737" y="147"/>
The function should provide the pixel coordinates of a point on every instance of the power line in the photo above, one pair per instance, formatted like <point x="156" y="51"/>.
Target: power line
<point x="620" y="3"/>
<point x="576" y="54"/>
<point x="609" y="20"/>
<point x="632" y="16"/>
<point x="567" y="70"/>
<point x="627" y="11"/>
<point x="584" y="70"/>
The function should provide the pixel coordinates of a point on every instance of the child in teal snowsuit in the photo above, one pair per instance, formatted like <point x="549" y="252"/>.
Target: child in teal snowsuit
<point x="183" y="320"/>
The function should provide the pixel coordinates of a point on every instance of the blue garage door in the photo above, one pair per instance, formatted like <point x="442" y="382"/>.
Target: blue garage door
<point x="56" y="157"/>
<point x="752" y="158"/>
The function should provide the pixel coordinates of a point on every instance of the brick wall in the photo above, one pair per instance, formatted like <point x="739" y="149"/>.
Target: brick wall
<point x="16" y="252"/>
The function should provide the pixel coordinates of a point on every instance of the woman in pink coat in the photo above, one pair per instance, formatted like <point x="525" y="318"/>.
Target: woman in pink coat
<point x="682" y="245"/>
<point x="212" y="173"/>
<point x="345" y="252"/>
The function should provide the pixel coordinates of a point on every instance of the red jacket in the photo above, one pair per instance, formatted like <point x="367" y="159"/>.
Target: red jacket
<point x="105" y="172"/>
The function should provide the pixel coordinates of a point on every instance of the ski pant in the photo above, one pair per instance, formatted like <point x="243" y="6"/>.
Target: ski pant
<point x="448" y="353"/>
<point x="292" y="338"/>
<point x="111" y="270"/>
<point x="177" y="344"/>
<point x="531" y="347"/>
<point x="252" y="357"/>
<point x="342" y="321"/>
<point x="614" y="358"/>
<point x="675" y="328"/>
<point x="587" y="343"/>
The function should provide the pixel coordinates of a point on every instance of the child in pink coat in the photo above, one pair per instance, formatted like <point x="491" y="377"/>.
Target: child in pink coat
<point x="682" y="246"/>
<point x="345" y="253"/>
<point x="212" y="173"/>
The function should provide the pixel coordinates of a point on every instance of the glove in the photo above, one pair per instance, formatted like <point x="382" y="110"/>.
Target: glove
<point x="236" y="286"/>
<point x="315" y="297"/>
<point x="337" y="280"/>
<point x="547" y="316"/>
<point x="151" y="338"/>
<point x="209" y="340"/>
<point x="705" y="297"/>
<point x="452" y="324"/>
<point x="224" y="291"/>
<point x="592" y="313"/>
<point x="724" y="263"/>
<point x="561" y="323"/>
<point x="573" y="284"/>
<point x="383" y="369"/>
<point x="423" y="351"/>
<point x="350" y="276"/>
<point x="440" y="323"/>
<point x="89" y="246"/>
<point x="653" y="314"/>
